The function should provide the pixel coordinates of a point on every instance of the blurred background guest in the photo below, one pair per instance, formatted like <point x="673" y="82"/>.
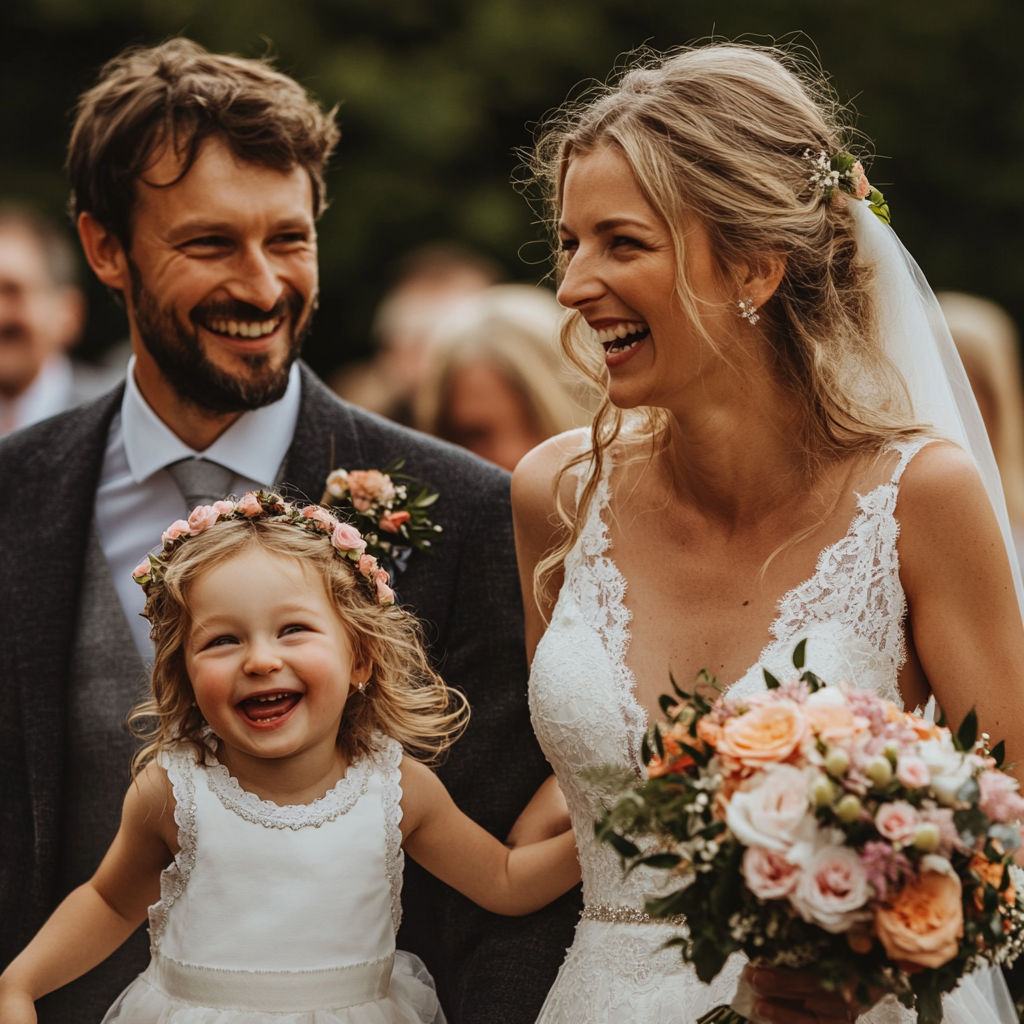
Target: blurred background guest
<point x="42" y="314"/>
<point x="429" y="280"/>
<point x="493" y="378"/>
<point x="987" y="340"/>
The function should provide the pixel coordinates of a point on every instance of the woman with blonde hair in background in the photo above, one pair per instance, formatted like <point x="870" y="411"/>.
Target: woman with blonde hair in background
<point x="770" y="464"/>
<point x="495" y="381"/>
<point x="987" y="340"/>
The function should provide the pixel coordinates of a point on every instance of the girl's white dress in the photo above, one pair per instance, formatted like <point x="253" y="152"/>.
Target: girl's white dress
<point x="585" y="714"/>
<point x="281" y="915"/>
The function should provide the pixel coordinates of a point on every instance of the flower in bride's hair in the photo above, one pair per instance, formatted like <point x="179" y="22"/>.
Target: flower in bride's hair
<point x="323" y="519"/>
<point x="250" y="505"/>
<point x="367" y="566"/>
<point x="337" y="483"/>
<point x="832" y="889"/>
<point x="348" y="538"/>
<point x="764" y="734"/>
<point x="769" y="874"/>
<point x="201" y="518"/>
<point x="772" y="809"/>
<point x="391" y="521"/>
<point x="385" y="595"/>
<point x="179" y="528"/>
<point x="144" y="568"/>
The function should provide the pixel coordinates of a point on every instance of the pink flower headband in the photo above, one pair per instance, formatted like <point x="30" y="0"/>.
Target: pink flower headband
<point x="347" y="541"/>
<point x="845" y="173"/>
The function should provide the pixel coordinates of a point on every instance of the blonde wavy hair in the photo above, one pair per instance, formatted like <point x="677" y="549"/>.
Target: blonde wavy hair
<point x="404" y="698"/>
<point x="718" y="134"/>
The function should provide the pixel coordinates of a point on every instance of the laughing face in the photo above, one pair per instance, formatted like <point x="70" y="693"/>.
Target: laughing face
<point x="621" y="276"/>
<point x="270" y="662"/>
<point x="223" y="277"/>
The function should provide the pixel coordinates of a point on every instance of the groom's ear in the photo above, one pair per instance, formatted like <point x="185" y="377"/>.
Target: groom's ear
<point x="105" y="253"/>
<point x="763" y="277"/>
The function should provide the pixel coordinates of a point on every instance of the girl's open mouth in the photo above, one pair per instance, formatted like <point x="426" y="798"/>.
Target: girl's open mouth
<point x="268" y="708"/>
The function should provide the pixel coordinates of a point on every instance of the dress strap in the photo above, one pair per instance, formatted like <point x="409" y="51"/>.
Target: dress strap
<point x="388" y="760"/>
<point x="907" y="450"/>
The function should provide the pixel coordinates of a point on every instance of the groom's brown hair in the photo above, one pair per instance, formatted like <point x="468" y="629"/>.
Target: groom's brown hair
<point x="181" y="94"/>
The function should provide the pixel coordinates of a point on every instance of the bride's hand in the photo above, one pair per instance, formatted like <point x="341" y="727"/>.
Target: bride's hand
<point x="796" y="997"/>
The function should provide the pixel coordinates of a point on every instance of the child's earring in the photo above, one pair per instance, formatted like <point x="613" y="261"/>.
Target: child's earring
<point x="748" y="311"/>
<point x="361" y="685"/>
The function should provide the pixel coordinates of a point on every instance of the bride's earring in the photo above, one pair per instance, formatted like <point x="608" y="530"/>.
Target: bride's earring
<point x="748" y="310"/>
<point x="361" y="685"/>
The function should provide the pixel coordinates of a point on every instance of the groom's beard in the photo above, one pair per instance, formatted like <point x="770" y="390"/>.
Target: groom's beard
<point x="177" y="351"/>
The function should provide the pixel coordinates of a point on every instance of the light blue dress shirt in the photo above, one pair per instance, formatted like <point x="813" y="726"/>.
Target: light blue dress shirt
<point x="137" y="499"/>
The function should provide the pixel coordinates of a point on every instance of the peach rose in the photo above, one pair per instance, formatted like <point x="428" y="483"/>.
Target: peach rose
<point x="323" y="519"/>
<point x="369" y="485"/>
<point x="391" y="521"/>
<point x="348" y="538"/>
<point x="923" y="925"/>
<point x="250" y="505"/>
<point x="179" y="528"/>
<point x="763" y="735"/>
<point x="142" y="569"/>
<point x="385" y="595"/>
<point x="367" y="566"/>
<point x="710" y="732"/>
<point x="990" y="874"/>
<point x="201" y="518"/>
<point x="833" y="721"/>
<point x="224" y="508"/>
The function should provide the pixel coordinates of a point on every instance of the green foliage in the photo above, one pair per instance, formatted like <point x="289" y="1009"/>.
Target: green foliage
<point x="436" y="97"/>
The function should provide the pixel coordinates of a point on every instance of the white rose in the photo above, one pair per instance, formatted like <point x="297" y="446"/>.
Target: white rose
<point x="832" y="889"/>
<point x="773" y="810"/>
<point x="948" y="767"/>
<point x="827" y="695"/>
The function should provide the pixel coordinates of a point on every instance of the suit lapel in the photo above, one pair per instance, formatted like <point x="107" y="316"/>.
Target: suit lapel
<point x="62" y="477"/>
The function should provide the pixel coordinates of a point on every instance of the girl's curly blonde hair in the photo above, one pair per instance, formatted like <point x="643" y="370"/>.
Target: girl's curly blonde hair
<point x="404" y="698"/>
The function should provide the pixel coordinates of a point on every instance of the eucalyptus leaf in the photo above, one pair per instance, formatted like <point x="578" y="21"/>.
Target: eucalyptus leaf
<point x="968" y="731"/>
<point x="798" y="654"/>
<point x="769" y="680"/>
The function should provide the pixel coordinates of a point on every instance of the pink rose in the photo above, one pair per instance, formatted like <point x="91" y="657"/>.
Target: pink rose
<point x="201" y="518"/>
<point x="769" y="875"/>
<point x="832" y="889"/>
<point x="250" y="505"/>
<point x="772" y="809"/>
<point x="897" y="821"/>
<point x="367" y="566"/>
<point x="348" y="538"/>
<point x="1000" y="796"/>
<point x="179" y="528"/>
<point x="142" y="569"/>
<point x="385" y="595"/>
<point x="913" y="772"/>
<point x="369" y="485"/>
<point x="391" y="521"/>
<point x="224" y="508"/>
<point x="323" y="519"/>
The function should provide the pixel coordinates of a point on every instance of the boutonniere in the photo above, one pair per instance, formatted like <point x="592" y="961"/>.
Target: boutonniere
<point x="389" y="508"/>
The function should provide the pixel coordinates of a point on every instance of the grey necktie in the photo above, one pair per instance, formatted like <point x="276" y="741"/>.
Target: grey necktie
<point x="200" y="481"/>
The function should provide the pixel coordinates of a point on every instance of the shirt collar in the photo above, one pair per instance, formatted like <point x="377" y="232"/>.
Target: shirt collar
<point x="253" y="447"/>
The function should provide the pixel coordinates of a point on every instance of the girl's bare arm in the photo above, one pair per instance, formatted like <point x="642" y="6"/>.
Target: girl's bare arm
<point x="455" y="849"/>
<point x="97" y="917"/>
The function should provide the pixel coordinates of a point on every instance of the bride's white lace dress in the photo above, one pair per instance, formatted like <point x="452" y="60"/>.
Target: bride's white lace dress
<point x="585" y="713"/>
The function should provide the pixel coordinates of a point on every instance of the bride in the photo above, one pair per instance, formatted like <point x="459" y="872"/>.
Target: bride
<point x="772" y="462"/>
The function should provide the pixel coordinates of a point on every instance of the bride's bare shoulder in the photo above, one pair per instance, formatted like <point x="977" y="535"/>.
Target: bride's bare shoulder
<point x="533" y="479"/>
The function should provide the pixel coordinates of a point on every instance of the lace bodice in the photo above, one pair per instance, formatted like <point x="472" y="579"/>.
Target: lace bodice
<point x="222" y="903"/>
<point x="581" y="690"/>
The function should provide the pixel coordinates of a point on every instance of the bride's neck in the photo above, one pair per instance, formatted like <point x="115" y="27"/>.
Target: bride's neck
<point x="737" y="454"/>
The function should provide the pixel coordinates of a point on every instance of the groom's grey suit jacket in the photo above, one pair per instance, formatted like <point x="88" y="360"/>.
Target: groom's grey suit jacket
<point x="490" y="970"/>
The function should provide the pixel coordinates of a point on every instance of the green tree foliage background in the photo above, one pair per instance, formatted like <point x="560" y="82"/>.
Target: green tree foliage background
<point x="436" y="95"/>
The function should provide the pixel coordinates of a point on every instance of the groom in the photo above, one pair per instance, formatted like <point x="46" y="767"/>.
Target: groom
<point x="197" y="182"/>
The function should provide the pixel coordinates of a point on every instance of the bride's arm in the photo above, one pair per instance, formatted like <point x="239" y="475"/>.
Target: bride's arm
<point x="965" y="633"/>
<point x="536" y="526"/>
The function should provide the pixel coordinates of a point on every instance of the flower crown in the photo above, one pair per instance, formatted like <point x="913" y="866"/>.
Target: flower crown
<point x="843" y="172"/>
<point x="347" y="541"/>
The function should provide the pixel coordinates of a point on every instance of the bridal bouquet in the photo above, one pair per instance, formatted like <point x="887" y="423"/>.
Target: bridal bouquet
<point x="821" y="827"/>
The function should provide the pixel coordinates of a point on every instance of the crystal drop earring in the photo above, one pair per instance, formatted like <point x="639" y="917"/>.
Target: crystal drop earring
<point x="748" y="310"/>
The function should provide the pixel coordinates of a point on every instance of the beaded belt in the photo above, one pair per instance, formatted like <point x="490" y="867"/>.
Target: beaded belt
<point x="626" y="915"/>
<point x="331" y="988"/>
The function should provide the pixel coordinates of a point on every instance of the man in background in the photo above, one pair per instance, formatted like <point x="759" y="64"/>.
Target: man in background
<point x="42" y="313"/>
<point x="428" y="282"/>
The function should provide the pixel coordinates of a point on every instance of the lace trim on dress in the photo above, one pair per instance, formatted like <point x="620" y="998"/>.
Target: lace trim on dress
<point x="389" y="759"/>
<point x="178" y="764"/>
<point x="599" y="589"/>
<point x="335" y="802"/>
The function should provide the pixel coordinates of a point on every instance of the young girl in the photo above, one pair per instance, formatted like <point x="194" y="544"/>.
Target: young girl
<point x="294" y="708"/>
